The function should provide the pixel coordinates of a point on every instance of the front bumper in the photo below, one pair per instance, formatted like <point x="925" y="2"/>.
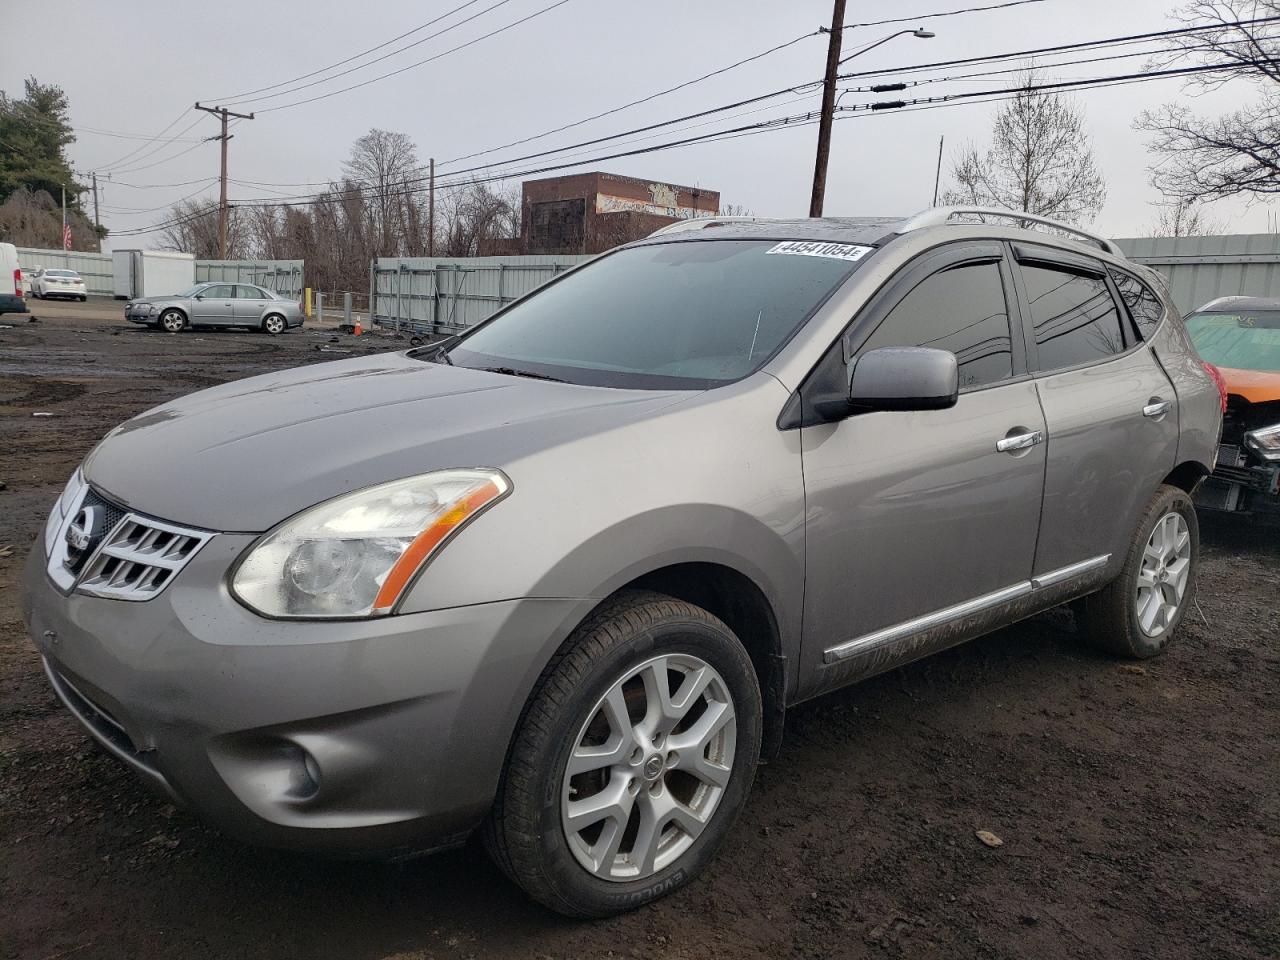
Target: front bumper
<point x="379" y="737"/>
<point x="1240" y="483"/>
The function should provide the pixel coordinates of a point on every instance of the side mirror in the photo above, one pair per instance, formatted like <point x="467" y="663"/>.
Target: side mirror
<point x="199" y="296"/>
<point x="904" y="378"/>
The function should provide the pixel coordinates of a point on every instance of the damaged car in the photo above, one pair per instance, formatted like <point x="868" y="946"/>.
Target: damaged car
<point x="1240" y="336"/>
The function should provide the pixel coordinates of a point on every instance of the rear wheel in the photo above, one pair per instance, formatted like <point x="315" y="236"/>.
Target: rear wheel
<point x="1137" y="613"/>
<point x="273" y="324"/>
<point x="632" y="760"/>
<point x="173" y="321"/>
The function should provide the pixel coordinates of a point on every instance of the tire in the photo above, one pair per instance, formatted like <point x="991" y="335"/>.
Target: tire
<point x="273" y="324"/>
<point x="634" y="638"/>
<point x="1115" y="619"/>
<point x="84" y="299"/>
<point x="173" y="321"/>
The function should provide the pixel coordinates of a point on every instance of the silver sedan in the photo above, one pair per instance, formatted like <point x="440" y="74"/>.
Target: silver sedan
<point x="217" y="305"/>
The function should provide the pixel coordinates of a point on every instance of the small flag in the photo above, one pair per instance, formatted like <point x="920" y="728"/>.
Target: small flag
<point x="66" y="236"/>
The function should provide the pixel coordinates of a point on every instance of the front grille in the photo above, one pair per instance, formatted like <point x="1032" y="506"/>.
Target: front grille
<point x="139" y="557"/>
<point x="113" y="514"/>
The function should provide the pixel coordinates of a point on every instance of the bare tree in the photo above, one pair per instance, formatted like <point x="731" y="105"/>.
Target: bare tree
<point x="192" y="227"/>
<point x="1039" y="160"/>
<point x="734" y="210"/>
<point x="386" y="165"/>
<point x="472" y="213"/>
<point x="1237" y="153"/>
<point x="1184" y="218"/>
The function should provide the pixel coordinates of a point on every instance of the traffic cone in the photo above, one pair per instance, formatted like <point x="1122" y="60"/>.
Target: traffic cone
<point x="358" y="331"/>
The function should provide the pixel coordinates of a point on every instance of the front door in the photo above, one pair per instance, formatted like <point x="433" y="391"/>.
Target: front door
<point x="214" y="305"/>
<point x="1111" y="411"/>
<point x="917" y="520"/>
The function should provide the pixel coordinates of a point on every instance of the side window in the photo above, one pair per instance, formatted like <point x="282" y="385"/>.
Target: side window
<point x="961" y="309"/>
<point x="219" y="291"/>
<point x="248" y="293"/>
<point x="1075" y="318"/>
<point x="1144" y="306"/>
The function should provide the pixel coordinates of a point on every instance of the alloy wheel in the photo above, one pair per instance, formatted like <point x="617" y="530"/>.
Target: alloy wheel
<point x="1164" y="574"/>
<point x="649" y="768"/>
<point x="273" y="325"/>
<point x="173" y="321"/>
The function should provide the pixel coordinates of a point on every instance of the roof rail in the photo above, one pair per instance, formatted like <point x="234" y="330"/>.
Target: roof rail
<point x="939" y="215"/>
<point x="699" y="223"/>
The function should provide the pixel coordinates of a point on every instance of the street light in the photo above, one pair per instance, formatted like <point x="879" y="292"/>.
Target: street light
<point x="829" y="99"/>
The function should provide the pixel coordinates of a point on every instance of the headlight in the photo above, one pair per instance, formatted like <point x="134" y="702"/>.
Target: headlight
<point x="1265" y="442"/>
<point x="355" y="556"/>
<point x="60" y="509"/>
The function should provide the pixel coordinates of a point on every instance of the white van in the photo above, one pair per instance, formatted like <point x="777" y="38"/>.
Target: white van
<point x="11" y="300"/>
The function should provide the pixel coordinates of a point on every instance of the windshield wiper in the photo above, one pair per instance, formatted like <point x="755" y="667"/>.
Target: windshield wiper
<point x="512" y="372"/>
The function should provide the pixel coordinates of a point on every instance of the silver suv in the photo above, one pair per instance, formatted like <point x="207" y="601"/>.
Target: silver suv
<point x="558" y="579"/>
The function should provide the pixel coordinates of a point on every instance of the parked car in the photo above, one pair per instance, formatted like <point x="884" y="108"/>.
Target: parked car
<point x="11" y="291"/>
<point x="48" y="284"/>
<point x="558" y="578"/>
<point x="1240" y="336"/>
<point x="217" y="305"/>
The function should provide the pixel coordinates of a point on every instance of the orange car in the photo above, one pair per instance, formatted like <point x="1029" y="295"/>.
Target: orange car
<point x="1240" y="336"/>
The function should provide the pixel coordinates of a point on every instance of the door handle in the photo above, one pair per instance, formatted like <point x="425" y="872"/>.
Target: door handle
<point x="1157" y="408"/>
<point x="1019" y="441"/>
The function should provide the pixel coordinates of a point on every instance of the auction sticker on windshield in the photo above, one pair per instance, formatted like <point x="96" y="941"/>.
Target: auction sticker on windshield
<point x="814" y="248"/>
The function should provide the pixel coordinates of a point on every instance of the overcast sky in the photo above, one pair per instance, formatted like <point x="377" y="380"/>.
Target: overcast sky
<point x="134" y="67"/>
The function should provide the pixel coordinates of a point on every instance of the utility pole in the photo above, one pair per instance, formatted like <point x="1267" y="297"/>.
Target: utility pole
<point x="97" y="223"/>
<point x="828" y="110"/>
<point x="223" y="113"/>
<point x="431" y="210"/>
<point x="937" y="176"/>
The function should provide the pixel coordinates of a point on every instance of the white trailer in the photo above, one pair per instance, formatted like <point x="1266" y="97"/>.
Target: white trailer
<point x="151" y="273"/>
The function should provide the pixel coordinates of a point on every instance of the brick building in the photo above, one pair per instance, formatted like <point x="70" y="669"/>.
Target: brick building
<point x="591" y="212"/>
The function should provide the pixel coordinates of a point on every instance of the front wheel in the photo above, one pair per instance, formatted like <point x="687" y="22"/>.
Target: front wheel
<point x="1137" y="613"/>
<point x="173" y="321"/>
<point x="632" y="760"/>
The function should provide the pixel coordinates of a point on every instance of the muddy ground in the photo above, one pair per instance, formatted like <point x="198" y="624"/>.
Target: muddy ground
<point x="1137" y="804"/>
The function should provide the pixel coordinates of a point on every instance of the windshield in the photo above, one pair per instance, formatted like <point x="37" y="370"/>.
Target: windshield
<point x="690" y="314"/>
<point x="193" y="291"/>
<point x="1243" y="340"/>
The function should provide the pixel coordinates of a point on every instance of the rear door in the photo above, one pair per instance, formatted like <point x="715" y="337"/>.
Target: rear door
<point x="1111" y="412"/>
<point x="924" y="513"/>
<point x="214" y="305"/>
<point x="249" y="304"/>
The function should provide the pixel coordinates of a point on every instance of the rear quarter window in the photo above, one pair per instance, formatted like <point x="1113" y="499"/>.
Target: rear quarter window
<point x="1144" y="306"/>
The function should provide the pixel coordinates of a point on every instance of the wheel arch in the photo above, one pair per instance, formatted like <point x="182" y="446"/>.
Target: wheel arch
<point x="1187" y="475"/>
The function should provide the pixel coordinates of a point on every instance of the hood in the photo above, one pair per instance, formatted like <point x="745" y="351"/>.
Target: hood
<point x="1256" y="386"/>
<point x="245" y="455"/>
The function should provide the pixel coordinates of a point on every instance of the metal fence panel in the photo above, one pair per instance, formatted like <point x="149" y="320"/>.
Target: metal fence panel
<point x="1200" y="269"/>
<point x="94" y="267"/>
<point x="282" y="276"/>
<point x="445" y="295"/>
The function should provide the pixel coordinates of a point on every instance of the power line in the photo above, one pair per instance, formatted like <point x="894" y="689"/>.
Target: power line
<point x="385" y="56"/>
<point x="461" y="46"/>
<point x="172" y="123"/>
<point x="943" y="13"/>
<point x="236" y="98"/>
<point x="869" y="109"/>
<point x="725" y="69"/>
<point x="1111" y="41"/>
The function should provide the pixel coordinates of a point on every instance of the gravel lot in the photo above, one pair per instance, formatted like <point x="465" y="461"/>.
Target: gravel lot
<point x="1137" y="804"/>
